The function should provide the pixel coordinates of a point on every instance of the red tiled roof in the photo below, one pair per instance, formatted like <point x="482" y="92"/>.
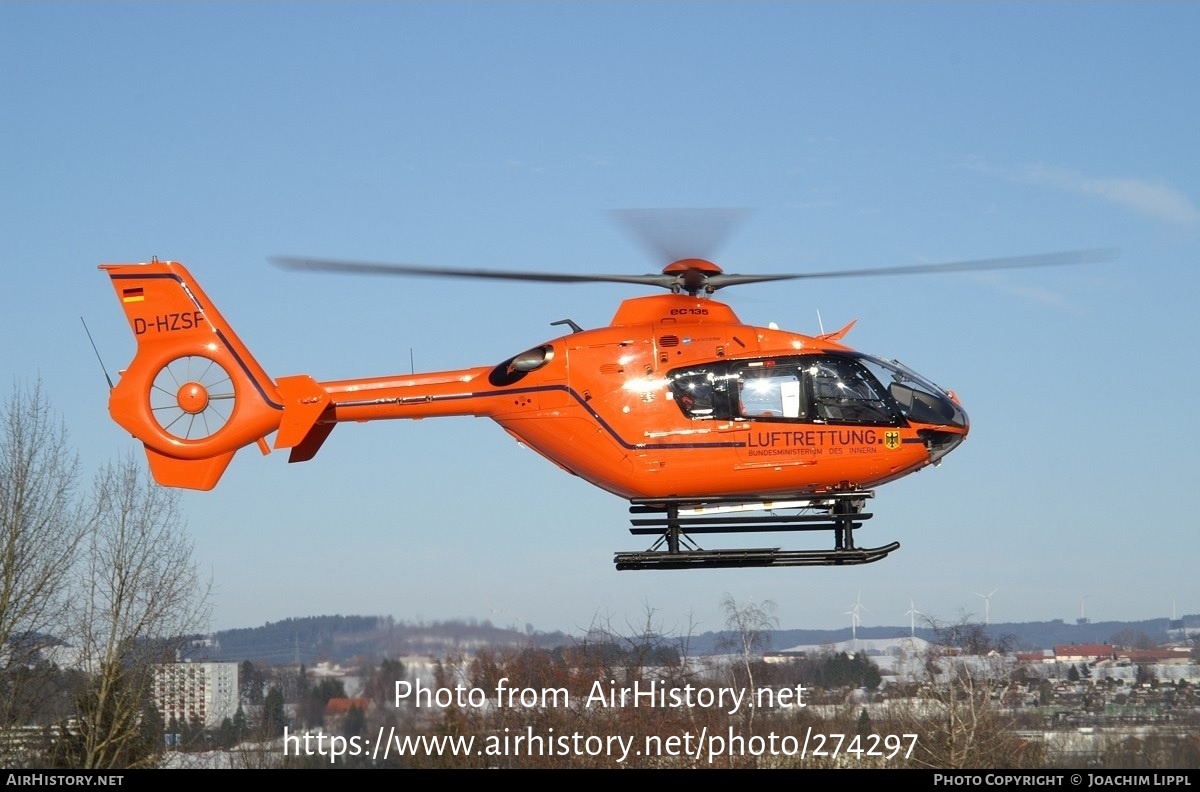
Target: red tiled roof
<point x="341" y="706"/>
<point x="1083" y="650"/>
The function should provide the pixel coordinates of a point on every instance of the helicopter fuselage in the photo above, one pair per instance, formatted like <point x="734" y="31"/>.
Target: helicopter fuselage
<point x="617" y="406"/>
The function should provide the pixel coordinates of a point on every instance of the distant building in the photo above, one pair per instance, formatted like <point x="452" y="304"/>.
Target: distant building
<point x="1040" y="656"/>
<point x="1083" y="653"/>
<point x="204" y="692"/>
<point x="1163" y="655"/>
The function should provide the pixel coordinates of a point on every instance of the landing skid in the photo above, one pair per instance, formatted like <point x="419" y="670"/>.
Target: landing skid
<point x="674" y="521"/>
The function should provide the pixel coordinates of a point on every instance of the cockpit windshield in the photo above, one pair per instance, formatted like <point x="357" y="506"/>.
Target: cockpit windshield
<point x="919" y="399"/>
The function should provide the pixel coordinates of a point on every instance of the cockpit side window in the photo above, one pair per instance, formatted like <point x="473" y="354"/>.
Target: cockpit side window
<point x="845" y="392"/>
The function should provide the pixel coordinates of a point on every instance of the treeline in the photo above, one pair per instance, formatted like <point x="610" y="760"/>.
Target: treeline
<point x="340" y="639"/>
<point x="301" y="640"/>
<point x="831" y="670"/>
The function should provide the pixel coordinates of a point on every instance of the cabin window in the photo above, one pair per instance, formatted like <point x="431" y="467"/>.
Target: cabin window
<point x="798" y="388"/>
<point x="769" y="391"/>
<point x="693" y="391"/>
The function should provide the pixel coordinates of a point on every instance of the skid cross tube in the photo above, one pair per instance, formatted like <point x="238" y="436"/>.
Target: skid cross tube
<point x="674" y="520"/>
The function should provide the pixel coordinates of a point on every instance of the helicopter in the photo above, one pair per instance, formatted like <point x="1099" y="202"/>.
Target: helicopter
<point x="706" y="425"/>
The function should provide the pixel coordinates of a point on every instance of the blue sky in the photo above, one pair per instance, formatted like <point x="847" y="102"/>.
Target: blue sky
<point x="502" y="135"/>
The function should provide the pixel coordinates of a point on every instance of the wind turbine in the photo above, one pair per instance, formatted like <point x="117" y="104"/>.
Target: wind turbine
<point x="912" y="614"/>
<point x="987" y="605"/>
<point x="855" y="619"/>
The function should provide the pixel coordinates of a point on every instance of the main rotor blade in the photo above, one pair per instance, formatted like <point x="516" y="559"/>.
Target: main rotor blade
<point x="300" y="264"/>
<point x="703" y="281"/>
<point x="1059" y="259"/>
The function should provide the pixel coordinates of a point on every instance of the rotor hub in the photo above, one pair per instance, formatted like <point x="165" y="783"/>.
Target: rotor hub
<point x="684" y="266"/>
<point x="192" y="397"/>
<point x="691" y="275"/>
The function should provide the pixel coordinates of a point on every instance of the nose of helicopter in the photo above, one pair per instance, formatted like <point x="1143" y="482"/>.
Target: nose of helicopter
<point x="952" y="430"/>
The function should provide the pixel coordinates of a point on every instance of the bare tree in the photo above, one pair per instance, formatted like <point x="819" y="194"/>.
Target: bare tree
<point x="747" y="634"/>
<point x="41" y="527"/>
<point x="140" y="597"/>
<point x="959" y="715"/>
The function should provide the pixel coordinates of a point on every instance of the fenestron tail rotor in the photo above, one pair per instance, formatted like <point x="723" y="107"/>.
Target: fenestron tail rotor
<point x="192" y="397"/>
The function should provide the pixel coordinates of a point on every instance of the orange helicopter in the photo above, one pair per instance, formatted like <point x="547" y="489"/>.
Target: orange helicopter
<point x="705" y="424"/>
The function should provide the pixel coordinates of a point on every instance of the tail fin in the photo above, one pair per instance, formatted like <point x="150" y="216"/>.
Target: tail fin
<point x="193" y="394"/>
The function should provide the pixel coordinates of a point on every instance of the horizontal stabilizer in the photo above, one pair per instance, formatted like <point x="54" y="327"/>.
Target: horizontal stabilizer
<point x="303" y="402"/>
